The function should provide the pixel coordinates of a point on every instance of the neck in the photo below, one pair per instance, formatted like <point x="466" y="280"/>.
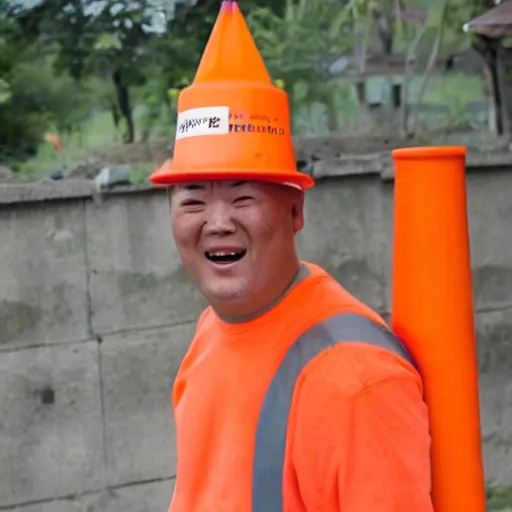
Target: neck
<point x="245" y="312"/>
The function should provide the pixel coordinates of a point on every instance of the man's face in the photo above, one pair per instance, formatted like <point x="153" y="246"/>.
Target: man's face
<point x="236" y="239"/>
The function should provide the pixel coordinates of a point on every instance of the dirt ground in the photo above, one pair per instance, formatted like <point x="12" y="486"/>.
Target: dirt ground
<point x="154" y="151"/>
<point x="151" y="154"/>
<point x="325" y="147"/>
<point x="158" y="150"/>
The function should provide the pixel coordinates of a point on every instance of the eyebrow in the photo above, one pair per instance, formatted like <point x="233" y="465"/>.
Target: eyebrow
<point x="193" y="186"/>
<point x="200" y="186"/>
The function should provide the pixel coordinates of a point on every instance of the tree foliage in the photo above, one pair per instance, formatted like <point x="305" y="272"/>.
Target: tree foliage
<point x="32" y="97"/>
<point x="62" y="60"/>
<point x="300" y="44"/>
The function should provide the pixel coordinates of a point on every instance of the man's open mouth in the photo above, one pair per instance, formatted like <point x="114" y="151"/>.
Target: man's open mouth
<point x="225" y="257"/>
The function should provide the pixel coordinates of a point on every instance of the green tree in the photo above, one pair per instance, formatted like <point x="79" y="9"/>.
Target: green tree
<point x="299" y="45"/>
<point x="26" y="96"/>
<point x="88" y="38"/>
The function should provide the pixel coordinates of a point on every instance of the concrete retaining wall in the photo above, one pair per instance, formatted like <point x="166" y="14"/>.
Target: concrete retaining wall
<point x="96" y="312"/>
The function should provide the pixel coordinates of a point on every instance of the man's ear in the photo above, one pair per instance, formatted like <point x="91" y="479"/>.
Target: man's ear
<point x="298" y="210"/>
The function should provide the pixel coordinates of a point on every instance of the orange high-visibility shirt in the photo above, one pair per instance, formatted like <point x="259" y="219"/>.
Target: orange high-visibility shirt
<point x="357" y="432"/>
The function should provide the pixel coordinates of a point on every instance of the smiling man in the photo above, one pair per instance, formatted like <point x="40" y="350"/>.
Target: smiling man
<point x="236" y="240"/>
<point x="293" y="396"/>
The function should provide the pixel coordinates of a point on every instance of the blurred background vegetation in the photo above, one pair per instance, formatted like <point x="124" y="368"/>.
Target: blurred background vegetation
<point x="84" y="82"/>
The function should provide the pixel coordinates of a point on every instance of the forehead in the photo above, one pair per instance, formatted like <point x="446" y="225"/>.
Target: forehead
<point x="221" y="185"/>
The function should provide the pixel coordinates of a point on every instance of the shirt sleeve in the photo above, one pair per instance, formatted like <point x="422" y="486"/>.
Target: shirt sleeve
<point x="362" y="450"/>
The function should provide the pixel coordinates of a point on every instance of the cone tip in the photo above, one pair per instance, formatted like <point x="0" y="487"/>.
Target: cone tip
<point x="227" y="4"/>
<point x="428" y="152"/>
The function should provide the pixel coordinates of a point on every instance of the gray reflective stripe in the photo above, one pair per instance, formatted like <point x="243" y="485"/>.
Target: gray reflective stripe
<point x="267" y="490"/>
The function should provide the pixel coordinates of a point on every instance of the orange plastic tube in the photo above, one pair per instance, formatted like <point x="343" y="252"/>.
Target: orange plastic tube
<point x="432" y="312"/>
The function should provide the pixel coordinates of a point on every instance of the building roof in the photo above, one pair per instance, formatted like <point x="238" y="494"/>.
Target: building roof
<point x="495" y="23"/>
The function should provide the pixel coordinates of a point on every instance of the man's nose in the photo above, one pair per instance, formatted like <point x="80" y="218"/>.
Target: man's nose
<point x="219" y="219"/>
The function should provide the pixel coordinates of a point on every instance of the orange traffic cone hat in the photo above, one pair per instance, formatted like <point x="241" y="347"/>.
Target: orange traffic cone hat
<point x="233" y="123"/>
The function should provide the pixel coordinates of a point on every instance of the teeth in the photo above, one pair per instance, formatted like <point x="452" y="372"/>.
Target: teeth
<point x="222" y="253"/>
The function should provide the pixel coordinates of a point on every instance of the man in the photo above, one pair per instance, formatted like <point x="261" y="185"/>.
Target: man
<point x="294" y="396"/>
<point x="357" y="435"/>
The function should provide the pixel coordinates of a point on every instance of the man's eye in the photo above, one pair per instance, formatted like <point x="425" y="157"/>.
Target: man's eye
<point x="243" y="199"/>
<point x="192" y="202"/>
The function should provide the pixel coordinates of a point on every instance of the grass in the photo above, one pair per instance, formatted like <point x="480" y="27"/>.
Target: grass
<point x="454" y="91"/>
<point x="76" y="147"/>
<point x="499" y="497"/>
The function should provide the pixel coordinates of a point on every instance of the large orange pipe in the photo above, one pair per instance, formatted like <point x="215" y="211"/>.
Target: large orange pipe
<point x="432" y="312"/>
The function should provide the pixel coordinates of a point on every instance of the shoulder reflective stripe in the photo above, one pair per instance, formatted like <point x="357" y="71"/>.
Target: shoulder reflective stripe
<point x="267" y="490"/>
